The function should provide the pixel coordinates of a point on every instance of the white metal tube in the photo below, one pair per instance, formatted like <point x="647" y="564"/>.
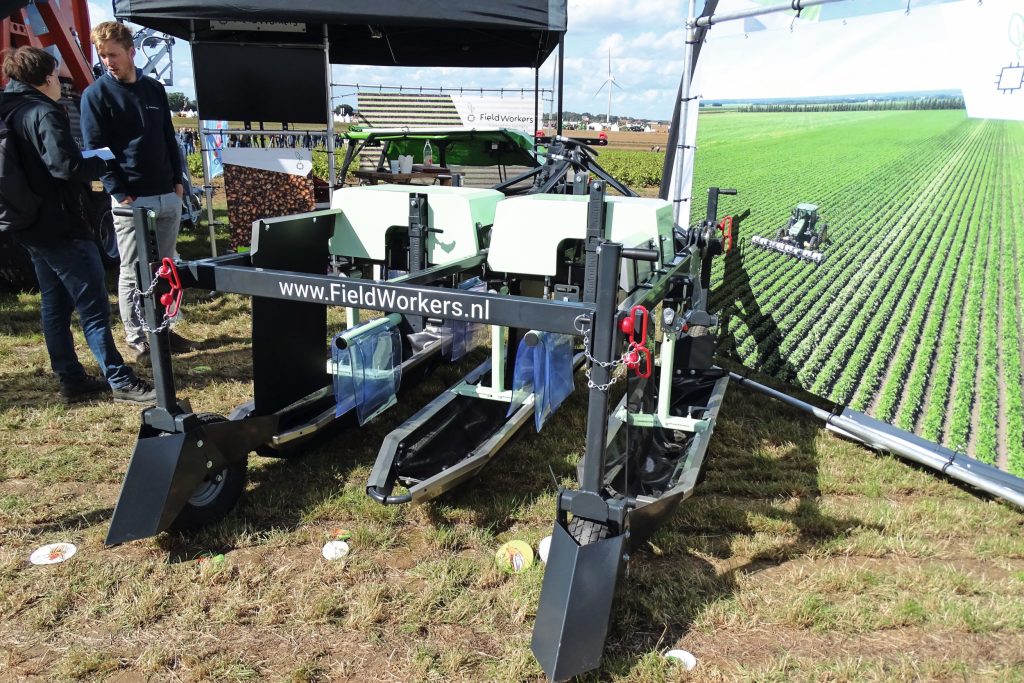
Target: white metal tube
<point x="955" y="465"/>
<point x="677" y="161"/>
<point x="796" y="5"/>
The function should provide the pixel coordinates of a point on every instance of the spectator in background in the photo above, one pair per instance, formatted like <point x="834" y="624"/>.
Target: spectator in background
<point x="67" y="261"/>
<point x="128" y="113"/>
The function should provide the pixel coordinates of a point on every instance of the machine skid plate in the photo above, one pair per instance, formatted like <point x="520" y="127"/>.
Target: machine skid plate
<point x="166" y="468"/>
<point x="575" y="603"/>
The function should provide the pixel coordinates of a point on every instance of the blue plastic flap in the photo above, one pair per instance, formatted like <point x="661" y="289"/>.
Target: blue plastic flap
<point x="459" y="336"/>
<point x="545" y="370"/>
<point x="367" y="372"/>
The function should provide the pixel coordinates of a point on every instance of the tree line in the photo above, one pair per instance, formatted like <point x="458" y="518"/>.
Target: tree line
<point x="868" y="105"/>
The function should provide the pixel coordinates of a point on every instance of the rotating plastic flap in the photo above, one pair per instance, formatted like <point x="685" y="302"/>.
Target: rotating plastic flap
<point x="460" y="336"/>
<point x="545" y="370"/>
<point x="367" y="372"/>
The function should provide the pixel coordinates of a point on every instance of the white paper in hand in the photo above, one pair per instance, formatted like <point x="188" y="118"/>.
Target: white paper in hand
<point x="103" y="153"/>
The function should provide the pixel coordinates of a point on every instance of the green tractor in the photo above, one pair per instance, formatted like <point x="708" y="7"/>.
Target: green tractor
<point x="800" y="237"/>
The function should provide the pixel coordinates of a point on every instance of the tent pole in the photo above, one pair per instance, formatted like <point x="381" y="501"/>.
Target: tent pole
<point x="561" y="63"/>
<point x="684" y="108"/>
<point x="536" y="102"/>
<point x="332" y="175"/>
<point x="201" y="134"/>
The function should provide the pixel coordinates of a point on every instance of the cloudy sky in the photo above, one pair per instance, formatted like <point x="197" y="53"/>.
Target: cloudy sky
<point x="645" y="40"/>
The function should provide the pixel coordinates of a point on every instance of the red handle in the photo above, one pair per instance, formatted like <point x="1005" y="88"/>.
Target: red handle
<point x="637" y="356"/>
<point x="726" y="227"/>
<point x="170" y="300"/>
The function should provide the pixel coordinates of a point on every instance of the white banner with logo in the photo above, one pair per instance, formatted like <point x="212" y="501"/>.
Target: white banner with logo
<point x="503" y="112"/>
<point x="298" y="161"/>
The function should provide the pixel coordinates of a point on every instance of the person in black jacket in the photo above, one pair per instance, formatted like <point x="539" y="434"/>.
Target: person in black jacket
<point x="128" y="112"/>
<point x="67" y="261"/>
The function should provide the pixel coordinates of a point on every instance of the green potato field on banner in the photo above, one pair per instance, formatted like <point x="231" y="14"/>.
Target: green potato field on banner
<point x="878" y="256"/>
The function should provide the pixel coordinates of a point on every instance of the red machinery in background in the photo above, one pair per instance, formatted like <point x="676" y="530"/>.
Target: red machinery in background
<point x="44" y="24"/>
<point x="63" y="28"/>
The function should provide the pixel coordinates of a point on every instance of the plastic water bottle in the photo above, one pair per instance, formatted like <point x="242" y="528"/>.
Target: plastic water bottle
<point x="428" y="154"/>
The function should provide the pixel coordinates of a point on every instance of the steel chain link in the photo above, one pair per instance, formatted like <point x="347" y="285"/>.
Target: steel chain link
<point x="581" y="326"/>
<point x="137" y="295"/>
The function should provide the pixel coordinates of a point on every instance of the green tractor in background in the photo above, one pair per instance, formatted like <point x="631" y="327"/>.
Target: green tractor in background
<point x="800" y="237"/>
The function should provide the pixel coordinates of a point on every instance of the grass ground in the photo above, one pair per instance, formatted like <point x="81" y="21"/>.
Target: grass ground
<point x="802" y="558"/>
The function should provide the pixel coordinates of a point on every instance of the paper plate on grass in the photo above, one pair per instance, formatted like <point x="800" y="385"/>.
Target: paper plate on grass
<point x="543" y="548"/>
<point x="335" y="550"/>
<point x="54" y="553"/>
<point x="514" y="556"/>
<point x="683" y="657"/>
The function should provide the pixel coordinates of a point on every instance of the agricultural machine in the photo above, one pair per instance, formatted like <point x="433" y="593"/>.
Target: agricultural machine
<point x="801" y="237"/>
<point x="560" y="270"/>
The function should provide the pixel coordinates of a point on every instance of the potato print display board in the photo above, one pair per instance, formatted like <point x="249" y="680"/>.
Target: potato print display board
<point x="265" y="183"/>
<point x="878" y="249"/>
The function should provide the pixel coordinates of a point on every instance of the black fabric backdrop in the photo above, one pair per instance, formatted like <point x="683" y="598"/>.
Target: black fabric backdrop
<point x="502" y="33"/>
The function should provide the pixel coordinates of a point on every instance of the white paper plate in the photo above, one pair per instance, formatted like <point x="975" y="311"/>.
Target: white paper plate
<point x="335" y="550"/>
<point x="688" y="661"/>
<point x="54" y="553"/>
<point x="543" y="547"/>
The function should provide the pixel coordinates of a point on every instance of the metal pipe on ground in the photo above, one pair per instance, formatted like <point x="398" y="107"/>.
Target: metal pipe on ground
<point x="883" y="436"/>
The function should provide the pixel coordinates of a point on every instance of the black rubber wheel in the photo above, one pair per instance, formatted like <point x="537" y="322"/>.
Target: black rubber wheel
<point x="586" y="531"/>
<point x="106" y="240"/>
<point x="216" y="495"/>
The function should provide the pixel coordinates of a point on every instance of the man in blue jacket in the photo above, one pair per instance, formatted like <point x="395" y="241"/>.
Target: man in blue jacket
<point x="66" y="260"/>
<point x="128" y="113"/>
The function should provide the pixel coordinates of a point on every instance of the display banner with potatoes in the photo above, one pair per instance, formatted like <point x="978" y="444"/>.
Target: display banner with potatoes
<point x="265" y="183"/>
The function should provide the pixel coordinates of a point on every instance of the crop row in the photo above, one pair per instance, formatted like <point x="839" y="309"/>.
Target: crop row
<point x="915" y="314"/>
<point x="953" y="220"/>
<point x="898" y="277"/>
<point x="857" y="258"/>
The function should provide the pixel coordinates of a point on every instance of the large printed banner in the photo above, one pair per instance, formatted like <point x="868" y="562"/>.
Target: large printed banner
<point x="391" y="109"/>
<point x="503" y="112"/>
<point x="214" y="144"/>
<point x="879" y="250"/>
<point x="262" y="183"/>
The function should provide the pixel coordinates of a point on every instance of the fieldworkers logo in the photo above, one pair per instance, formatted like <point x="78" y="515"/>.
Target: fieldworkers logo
<point x="506" y="118"/>
<point x="371" y="296"/>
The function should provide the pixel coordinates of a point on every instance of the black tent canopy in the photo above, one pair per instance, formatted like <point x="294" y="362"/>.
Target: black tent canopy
<point x="469" y="33"/>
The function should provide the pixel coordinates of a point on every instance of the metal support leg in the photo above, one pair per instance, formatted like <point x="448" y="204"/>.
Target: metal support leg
<point x="603" y="336"/>
<point x="159" y="345"/>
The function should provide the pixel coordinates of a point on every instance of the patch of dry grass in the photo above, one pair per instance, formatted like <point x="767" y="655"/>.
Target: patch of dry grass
<point x="803" y="558"/>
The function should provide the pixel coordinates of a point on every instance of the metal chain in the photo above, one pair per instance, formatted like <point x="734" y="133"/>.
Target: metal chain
<point x="582" y="328"/>
<point x="137" y="295"/>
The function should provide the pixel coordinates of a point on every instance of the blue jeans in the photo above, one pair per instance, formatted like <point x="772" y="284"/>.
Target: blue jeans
<point x="71" y="278"/>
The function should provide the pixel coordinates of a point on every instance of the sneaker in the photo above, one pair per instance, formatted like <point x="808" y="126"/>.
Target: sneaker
<point x="83" y="388"/>
<point x="139" y="352"/>
<point x="136" y="391"/>
<point x="180" y="344"/>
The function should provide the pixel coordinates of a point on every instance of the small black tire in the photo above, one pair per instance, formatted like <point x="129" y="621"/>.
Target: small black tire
<point x="587" y="531"/>
<point x="216" y="495"/>
<point x="106" y="241"/>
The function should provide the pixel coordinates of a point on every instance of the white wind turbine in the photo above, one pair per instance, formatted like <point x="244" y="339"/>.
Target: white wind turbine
<point x="610" y="82"/>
